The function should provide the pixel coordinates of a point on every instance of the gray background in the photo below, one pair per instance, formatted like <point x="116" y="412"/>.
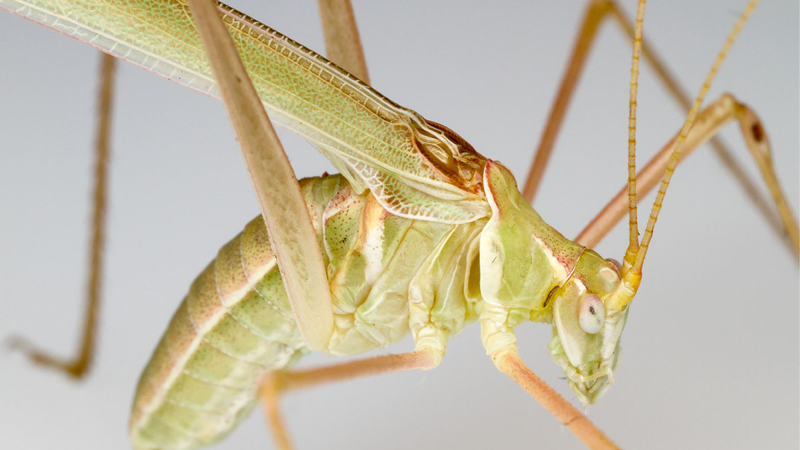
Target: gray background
<point x="710" y="355"/>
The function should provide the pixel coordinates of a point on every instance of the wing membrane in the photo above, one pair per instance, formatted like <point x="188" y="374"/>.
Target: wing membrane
<point x="415" y="168"/>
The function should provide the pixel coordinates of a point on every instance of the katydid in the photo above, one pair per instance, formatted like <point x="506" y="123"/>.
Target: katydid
<point x="673" y="130"/>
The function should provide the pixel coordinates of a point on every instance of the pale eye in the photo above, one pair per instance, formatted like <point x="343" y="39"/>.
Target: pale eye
<point x="591" y="313"/>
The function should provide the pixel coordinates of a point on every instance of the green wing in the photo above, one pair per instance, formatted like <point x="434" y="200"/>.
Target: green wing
<point x="415" y="168"/>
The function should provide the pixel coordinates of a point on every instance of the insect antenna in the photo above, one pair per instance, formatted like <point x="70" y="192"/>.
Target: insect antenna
<point x="633" y="221"/>
<point x="634" y="256"/>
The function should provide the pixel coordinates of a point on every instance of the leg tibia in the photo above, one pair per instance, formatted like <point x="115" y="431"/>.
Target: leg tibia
<point x="78" y="366"/>
<point x="707" y="124"/>
<point x="509" y="363"/>
<point x="275" y="383"/>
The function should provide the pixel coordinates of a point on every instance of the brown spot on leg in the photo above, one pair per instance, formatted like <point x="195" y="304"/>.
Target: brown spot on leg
<point x="758" y="132"/>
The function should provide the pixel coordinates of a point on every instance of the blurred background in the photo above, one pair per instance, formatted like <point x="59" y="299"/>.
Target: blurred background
<point x="710" y="354"/>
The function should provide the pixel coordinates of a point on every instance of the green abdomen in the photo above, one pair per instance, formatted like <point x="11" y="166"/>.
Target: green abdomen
<point x="236" y="322"/>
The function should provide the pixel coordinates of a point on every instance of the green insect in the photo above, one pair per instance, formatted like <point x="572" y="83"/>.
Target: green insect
<point x="488" y="253"/>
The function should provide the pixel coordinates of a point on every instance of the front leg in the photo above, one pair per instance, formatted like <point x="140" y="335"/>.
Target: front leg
<point x="497" y="333"/>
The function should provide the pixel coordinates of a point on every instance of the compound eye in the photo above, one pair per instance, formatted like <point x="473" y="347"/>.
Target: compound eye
<point x="591" y="313"/>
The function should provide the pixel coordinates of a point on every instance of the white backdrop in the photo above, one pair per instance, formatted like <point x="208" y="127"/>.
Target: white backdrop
<point x="710" y="355"/>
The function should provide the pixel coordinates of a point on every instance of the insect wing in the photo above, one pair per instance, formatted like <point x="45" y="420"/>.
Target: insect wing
<point x="415" y="168"/>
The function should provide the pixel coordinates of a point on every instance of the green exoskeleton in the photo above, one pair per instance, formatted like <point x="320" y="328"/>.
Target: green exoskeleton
<point x="529" y="271"/>
<point x="420" y="235"/>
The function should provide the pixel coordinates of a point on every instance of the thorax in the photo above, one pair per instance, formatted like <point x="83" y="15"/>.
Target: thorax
<point x="391" y="275"/>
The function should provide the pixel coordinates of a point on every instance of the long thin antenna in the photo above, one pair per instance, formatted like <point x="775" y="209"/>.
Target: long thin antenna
<point x="633" y="221"/>
<point x="632" y="275"/>
<point x="662" y="190"/>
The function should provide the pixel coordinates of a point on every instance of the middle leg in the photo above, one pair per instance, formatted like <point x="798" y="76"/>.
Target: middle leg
<point x="275" y="383"/>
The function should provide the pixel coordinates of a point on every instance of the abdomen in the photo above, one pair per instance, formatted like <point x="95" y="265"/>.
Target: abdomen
<point x="236" y="322"/>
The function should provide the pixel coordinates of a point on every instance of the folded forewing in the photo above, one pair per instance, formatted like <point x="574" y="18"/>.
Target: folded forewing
<point x="415" y="168"/>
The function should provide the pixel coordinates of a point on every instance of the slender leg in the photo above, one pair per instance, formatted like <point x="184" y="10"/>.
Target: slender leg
<point x="275" y="383"/>
<point x="341" y="37"/>
<point x="757" y="142"/>
<point x="78" y="366"/>
<point x="269" y="392"/>
<point x="509" y="363"/>
<point x="595" y="13"/>
<point x="707" y="124"/>
<point x="291" y="234"/>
